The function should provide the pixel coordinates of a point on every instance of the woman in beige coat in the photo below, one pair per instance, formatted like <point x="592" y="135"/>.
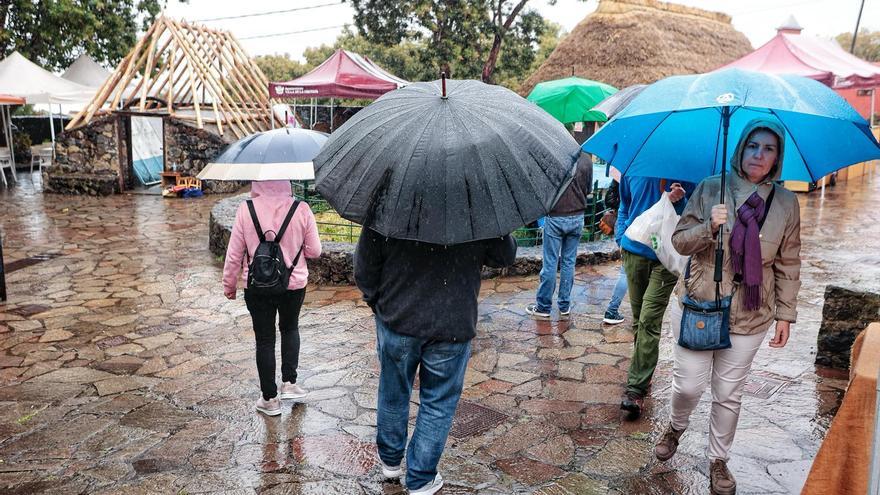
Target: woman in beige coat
<point x="761" y="271"/>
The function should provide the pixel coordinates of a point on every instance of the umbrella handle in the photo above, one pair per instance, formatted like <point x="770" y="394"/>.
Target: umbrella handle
<point x="443" y="84"/>
<point x="719" y="249"/>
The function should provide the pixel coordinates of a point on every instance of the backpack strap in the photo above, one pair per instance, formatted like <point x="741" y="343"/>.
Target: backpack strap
<point x="256" y="221"/>
<point x="287" y="220"/>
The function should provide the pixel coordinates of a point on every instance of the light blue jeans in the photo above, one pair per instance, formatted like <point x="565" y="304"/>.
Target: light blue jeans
<point x="618" y="293"/>
<point x="441" y="368"/>
<point x="561" y="238"/>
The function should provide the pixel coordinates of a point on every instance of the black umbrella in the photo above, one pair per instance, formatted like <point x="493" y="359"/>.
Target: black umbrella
<point x="425" y="164"/>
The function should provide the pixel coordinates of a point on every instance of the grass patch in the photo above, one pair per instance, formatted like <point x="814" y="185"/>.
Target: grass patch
<point x="27" y="417"/>
<point x="333" y="228"/>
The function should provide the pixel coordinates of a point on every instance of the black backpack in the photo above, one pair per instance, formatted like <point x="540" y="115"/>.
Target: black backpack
<point x="267" y="273"/>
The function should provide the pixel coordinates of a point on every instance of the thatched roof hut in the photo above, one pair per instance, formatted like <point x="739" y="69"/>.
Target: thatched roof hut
<point x="626" y="42"/>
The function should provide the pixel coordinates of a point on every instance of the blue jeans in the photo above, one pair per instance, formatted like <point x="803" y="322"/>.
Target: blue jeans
<point x="441" y="368"/>
<point x="561" y="238"/>
<point x="618" y="293"/>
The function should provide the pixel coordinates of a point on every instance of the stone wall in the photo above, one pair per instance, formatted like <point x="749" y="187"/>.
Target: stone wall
<point x="88" y="159"/>
<point x="846" y="313"/>
<point x="191" y="148"/>
<point x="335" y="265"/>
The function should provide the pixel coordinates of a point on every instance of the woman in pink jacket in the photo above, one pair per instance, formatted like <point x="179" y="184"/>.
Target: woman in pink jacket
<point x="272" y="201"/>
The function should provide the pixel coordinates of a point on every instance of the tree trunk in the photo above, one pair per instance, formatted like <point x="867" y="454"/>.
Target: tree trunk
<point x="489" y="66"/>
<point x="500" y="31"/>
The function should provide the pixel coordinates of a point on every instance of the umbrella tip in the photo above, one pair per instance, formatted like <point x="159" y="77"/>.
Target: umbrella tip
<point x="443" y="84"/>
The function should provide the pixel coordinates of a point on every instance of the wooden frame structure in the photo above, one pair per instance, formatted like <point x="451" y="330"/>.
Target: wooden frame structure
<point x="191" y="73"/>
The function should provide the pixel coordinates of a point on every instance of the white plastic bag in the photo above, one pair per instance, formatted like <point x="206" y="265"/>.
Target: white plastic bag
<point x="654" y="228"/>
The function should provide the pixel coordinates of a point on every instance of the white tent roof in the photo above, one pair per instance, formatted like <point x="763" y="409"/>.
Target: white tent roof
<point x="21" y="77"/>
<point x="84" y="70"/>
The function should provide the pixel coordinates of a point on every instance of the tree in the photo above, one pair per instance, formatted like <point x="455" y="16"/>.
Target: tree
<point x="462" y="38"/>
<point x="281" y="67"/>
<point x="867" y="44"/>
<point x="52" y="33"/>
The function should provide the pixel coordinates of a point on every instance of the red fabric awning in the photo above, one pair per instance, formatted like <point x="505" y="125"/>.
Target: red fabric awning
<point x="790" y="52"/>
<point x="344" y="75"/>
<point x="11" y="100"/>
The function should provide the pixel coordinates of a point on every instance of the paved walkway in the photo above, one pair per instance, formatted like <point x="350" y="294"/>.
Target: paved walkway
<point x="123" y="369"/>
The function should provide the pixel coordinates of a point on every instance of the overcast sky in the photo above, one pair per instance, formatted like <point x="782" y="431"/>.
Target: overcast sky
<point x="757" y="19"/>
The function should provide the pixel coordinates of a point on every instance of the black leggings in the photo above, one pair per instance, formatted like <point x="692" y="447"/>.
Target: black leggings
<point x="263" y="310"/>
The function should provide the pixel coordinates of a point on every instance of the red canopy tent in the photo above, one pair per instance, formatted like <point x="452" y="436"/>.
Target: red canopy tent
<point x="790" y="52"/>
<point x="344" y="75"/>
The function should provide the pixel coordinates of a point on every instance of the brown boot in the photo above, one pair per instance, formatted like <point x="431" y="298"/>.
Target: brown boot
<point x="667" y="444"/>
<point x="722" y="481"/>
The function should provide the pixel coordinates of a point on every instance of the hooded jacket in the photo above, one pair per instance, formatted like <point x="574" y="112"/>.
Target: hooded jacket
<point x="272" y="200"/>
<point x="780" y="241"/>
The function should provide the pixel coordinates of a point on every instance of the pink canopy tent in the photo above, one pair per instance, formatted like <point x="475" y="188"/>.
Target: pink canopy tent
<point x="344" y="75"/>
<point x="790" y="52"/>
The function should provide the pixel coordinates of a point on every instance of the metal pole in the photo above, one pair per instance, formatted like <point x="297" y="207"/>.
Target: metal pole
<point x="852" y="45"/>
<point x="11" y="137"/>
<point x="873" y="100"/>
<point x="331" y="114"/>
<point x="2" y="270"/>
<point x="874" y="474"/>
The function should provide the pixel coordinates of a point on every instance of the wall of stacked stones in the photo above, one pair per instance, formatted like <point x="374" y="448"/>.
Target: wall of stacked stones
<point x="93" y="159"/>
<point x="191" y="149"/>
<point x="88" y="159"/>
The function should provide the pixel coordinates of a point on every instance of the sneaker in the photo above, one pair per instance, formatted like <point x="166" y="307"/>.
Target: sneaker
<point x="722" y="481"/>
<point x="565" y="315"/>
<point x="668" y="443"/>
<point x="291" y="391"/>
<point x="271" y="407"/>
<point x="431" y="488"/>
<point x="632" y="403"/>
<point x="390" y="472"/>
<point x="532" y="309"/>
<point x="612" y="318"/>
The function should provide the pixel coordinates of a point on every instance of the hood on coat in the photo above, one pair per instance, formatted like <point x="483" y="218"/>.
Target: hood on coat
<point x="271" y="188"/>
<point x="764" y="124"/>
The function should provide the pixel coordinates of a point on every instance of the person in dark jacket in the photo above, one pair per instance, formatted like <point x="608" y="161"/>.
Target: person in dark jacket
<point x="424" y="297"/>
<point x="563" y="228"/>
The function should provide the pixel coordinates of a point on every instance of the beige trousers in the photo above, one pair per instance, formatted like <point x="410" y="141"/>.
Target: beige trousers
<point x="726" y="370"/>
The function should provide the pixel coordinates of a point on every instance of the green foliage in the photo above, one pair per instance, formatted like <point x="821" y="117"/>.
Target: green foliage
<point x="52" y="33"/>
<point x="21" y="142"/>
<point x="281" y="67"/>
<point x="475" y="39"/>
<point x="333" y="228"/>
<point x="867" y="44"/>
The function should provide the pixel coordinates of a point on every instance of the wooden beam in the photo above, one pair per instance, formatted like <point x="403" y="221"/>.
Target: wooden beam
<point x="218" y="92"/>
<point x="148" y="70"/>
<point x="85" y="115"/>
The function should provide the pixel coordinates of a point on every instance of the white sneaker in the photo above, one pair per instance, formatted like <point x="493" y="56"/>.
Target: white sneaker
<point x="390" y="472"/>
<point x="431" y="488"/>
<point x="291" y="391"/>
<point x="271" y="407"/>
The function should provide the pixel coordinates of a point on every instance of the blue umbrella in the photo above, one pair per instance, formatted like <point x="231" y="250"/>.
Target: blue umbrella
<point x="278" y="154"/>
<point x="676" y="128"/>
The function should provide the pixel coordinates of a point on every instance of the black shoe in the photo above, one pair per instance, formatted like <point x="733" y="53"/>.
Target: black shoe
<point x="632" y="403"/>
<point x="613" y="318"/>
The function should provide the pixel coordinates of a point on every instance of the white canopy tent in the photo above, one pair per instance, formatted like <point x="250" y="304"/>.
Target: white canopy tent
<point x="84" y="70"/>
<point x="21" y="77"/>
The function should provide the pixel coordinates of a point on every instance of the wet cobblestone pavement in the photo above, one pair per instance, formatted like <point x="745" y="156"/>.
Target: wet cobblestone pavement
<point x="123" y="369"/>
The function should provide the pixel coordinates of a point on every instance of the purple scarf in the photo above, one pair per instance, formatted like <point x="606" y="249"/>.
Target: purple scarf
<point x="745" y="250"/>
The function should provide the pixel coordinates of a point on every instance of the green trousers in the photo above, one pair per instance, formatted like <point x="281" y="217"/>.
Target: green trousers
<point x="650" y="285"/>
